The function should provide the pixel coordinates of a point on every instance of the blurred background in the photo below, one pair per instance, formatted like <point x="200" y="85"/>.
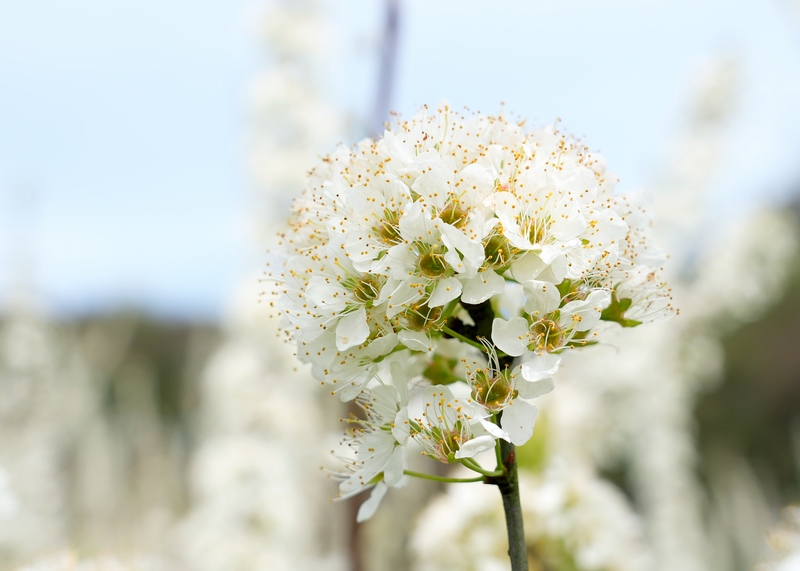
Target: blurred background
<point x="149" y="151"/>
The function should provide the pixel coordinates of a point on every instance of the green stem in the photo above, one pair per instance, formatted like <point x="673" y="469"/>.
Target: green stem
<point x="449" y="309"/>
<point x="460" y="337"/>
<point x="443" y="478"/>
<point x="475" y="467"/>
<point x="508" y="485"/>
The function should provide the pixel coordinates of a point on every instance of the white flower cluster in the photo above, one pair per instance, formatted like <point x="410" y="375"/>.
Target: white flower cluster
<point x="467" y="229"/>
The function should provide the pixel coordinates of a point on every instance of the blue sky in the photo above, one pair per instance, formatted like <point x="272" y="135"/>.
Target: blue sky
<point x="126" y="121"/>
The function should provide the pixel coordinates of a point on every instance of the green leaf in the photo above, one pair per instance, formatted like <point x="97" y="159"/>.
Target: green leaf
<point x="616" y="311"/>
<point x="533" y="454"/>
<point x="440" y="370"/>
<point x="564" y="288"/>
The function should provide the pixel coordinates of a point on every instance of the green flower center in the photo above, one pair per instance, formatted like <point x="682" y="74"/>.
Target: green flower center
<point x="535" y="230"/>
<point x="492" y="392"/>
<point x="447" y="442"/>
<point x="388" y="229"/>
<point x="549" y="335"/>
<point x="422" y="317"/>
<point x="431" y="261"/>
<point x="453" y="214"/>
<point x="367" y="289"/>
<point x="499" y="253"/>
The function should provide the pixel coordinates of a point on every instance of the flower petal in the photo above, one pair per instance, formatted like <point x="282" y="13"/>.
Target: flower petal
<point x="472" y="252"/>
<point x="352" y="329"/>
<point x="475" y="446"/>
<point x="556" y="271"/>
<point x="415" y="340"/>
<point x="531" y="390"/>
<point x="511" y="336"/>
<point x="537" y="367"/>
<point x="482" y="287"/>
<point x="446" y="290"/>
<point x="326" y="295"/>
<point x="518" y="421"/>
<point x="381" y="346"/>
<point x="541" y="298"/>
<point x="528" y="267"/>
<point x="569" y="223"/>
<point x="399" y="295"/>
<point x="493" y="429"/>
<point x="583" y="315"/>
<point x="401" y="428"/>
<point x="393" y="472"/>
<point x="368" y="508"/>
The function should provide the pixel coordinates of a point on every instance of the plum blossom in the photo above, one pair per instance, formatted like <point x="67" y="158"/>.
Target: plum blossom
<point x="457" y="228"/>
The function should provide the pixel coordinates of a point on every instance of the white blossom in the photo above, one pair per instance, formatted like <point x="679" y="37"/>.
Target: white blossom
<point x="397" y="241"/>
<point x="378" y="443"/>
<point x="452" y="428"/>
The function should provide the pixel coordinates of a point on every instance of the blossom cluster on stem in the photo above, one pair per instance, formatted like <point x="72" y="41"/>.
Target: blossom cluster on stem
<point x="438" y="274"/>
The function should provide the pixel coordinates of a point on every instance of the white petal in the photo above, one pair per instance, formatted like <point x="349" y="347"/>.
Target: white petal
<point x="415" y="340"/>
<point x="506" y="206"/>
<point x="398" y="262"/>
<point x="350" y="392"/>
<point x="464" y="316"/>
<point x="414" y="223"/>
<point x="381" y="346"/>
<point x="393" y="472"/>
<point x="368" y="508"/>
<point x="583" y="315"/>
<point x="528" y="267"/>
<point x="400" y="295"/>
<point x="400" y="381"/>
<point x="475" y="446"/>
<point x="511" y="336"/>
<point x="433" y="185"/>
<point x="361" y="248"/>
<point x="433" y="395"/>
<point x="518" y="420"/>
<point x="446" y="290"/>
<point x="541" y="298"/>
<point x="473" y="252"/>
<point x="385" y="400"/>
<point x="612" y="226"/>
<point x="511" y="302"/>
<point x="556" y="271"/>
<point x="493" y="429"/>
<point x="516" y="239"/>
<point x="539" y="367"/>
<point x="352" y="329"/>
<point x="569" y="223"/>
<point x="324" y="295"/>
<point x="476" y="179"/>
<point x="531" y="390"/>
<point x="550" y="252"/>
<point x="482" y="287"/>
<point x="401" y="429"/>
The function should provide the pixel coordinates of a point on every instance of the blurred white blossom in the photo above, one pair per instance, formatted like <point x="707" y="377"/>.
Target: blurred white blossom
<point x="260" y="436"/>
<point x="631" y="400"/>
<point x="784" y="543"/>
<point x="573" y="520"/>
<point x="70" y="562"/>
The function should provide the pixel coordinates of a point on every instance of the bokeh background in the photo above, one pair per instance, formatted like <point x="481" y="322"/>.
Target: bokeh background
<point x="151" y="419"/>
